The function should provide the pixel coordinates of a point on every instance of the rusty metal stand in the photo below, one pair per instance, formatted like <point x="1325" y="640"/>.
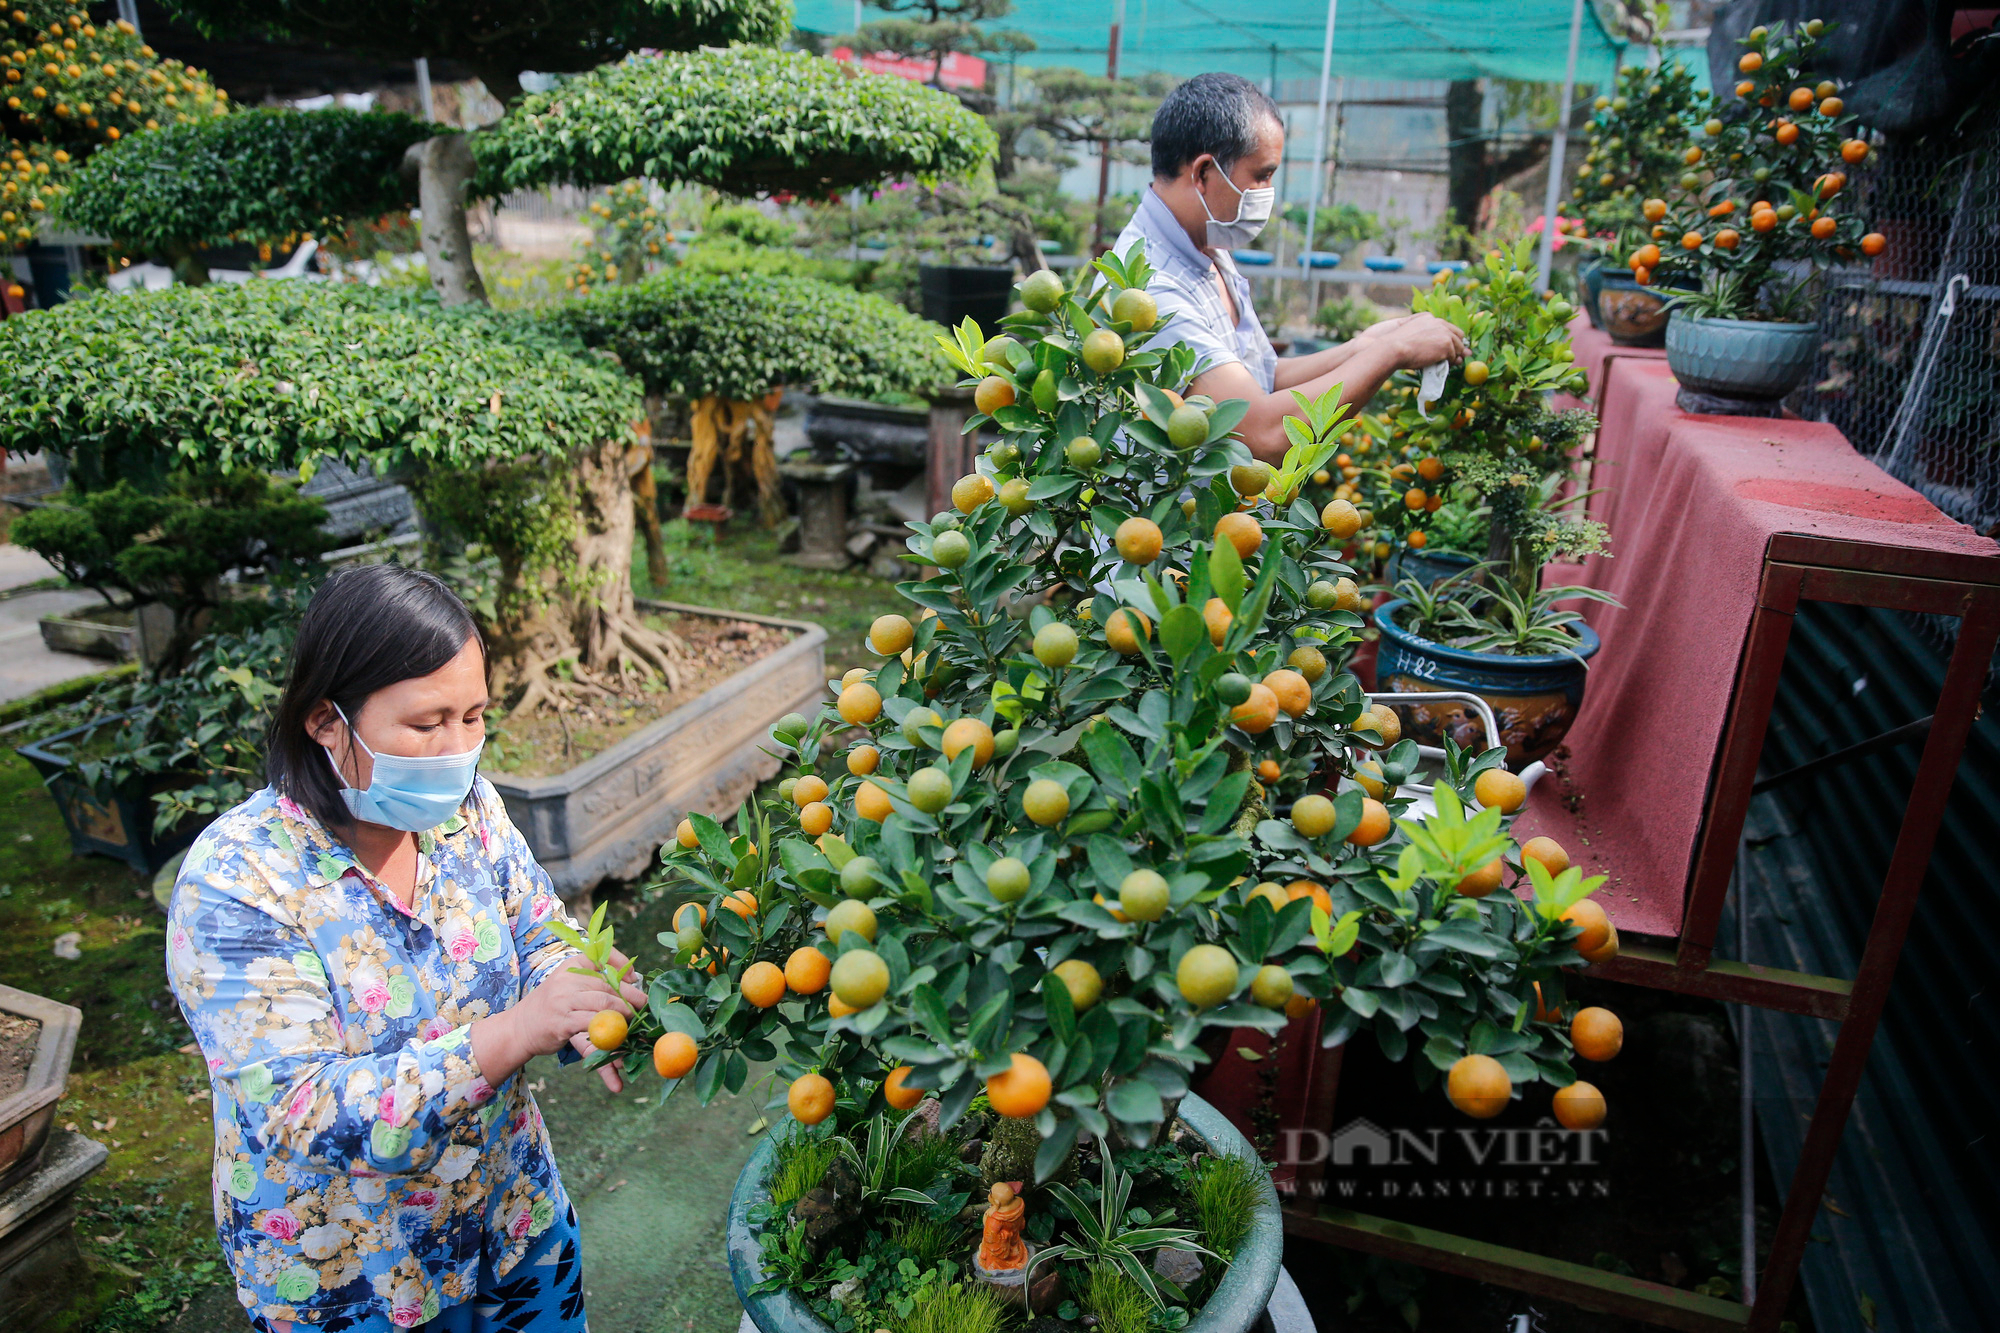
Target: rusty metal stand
<point x="1796" y="568"/>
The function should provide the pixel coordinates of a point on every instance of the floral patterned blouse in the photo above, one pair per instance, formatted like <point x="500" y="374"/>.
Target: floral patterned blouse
<point x="362" y="1165"/>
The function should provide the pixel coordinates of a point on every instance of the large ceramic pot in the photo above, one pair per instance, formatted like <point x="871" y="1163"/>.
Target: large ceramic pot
<point x="1535" y="699"/>
<point x="954" y="293"/>
<point x="1740" y="358"/>
<point x="1634" y="316"/>
<point x="121" y="826"/>
<point x="1239" y="1299"/>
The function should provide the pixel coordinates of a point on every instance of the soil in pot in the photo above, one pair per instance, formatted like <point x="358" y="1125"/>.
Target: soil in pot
<point x="547" y="742"/>
<point x="19" y="1039"/>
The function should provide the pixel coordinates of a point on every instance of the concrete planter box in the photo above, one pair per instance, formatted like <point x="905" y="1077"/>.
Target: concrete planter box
<point x="27" y="1114"/>
<point x="607" y="817"/>
<point x="94" y="631"/>
<point x="38" y="1252"/>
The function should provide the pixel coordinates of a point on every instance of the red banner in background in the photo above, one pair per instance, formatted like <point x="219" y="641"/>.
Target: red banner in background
<point x="957" y="71"/>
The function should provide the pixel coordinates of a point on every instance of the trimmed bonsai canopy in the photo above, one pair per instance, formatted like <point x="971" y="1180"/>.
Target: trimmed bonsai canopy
<point x="726" y="344"/>
<point x="71" y="87"/>
<point x="1073" y="849"/>
<point x="265" y="175"/>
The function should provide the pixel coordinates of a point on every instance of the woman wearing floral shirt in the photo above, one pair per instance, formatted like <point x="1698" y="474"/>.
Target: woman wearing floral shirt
<point x="363" y="952"/>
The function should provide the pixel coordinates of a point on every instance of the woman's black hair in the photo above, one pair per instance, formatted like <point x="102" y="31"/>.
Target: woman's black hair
<point x="367" y="627"/>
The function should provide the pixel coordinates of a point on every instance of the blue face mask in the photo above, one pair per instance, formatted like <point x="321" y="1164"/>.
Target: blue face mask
<point x="415" y="794"/>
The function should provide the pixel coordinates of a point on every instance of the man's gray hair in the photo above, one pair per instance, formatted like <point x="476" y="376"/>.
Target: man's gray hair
<point x="1218" y="114"/>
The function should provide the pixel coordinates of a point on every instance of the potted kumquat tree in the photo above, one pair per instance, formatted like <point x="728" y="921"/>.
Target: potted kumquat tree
<point x="1094" y="809"/>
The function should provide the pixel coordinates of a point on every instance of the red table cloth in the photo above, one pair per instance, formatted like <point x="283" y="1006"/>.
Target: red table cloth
<point x="1594" y="351"/>
<point x="1692" y="502"/>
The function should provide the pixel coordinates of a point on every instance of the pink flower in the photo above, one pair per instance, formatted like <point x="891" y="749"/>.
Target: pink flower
<point x="281" y="1223"/>
<point x="1562" y="225"/>
<point x="520" y="1121"/>
<point x="462" y="946"/>
<point x="481" y="1090"/>
<point x="435" y="1028"/>
<point x="519" y="1226"/>
<point x="214" y="1063"/>
<point x="386" y="1108"/>
<point x="300" y="1100"/>
<point x="406" y="1316"/>
<point x="420" y="1199"/>
<point x="180" y="938"/>
<point x="289" y="808"/>
<point x="541" y="909"/>
<point x="374" y="994"/>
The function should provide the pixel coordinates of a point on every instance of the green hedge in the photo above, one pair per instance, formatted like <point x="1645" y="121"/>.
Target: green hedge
<point x="272" y="374"/>
<point x="746" y="121"/>
<point x="257" y="175"/>
<point x="689" y="335"/>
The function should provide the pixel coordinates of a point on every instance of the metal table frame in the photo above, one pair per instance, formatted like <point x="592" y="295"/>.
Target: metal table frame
<point x="1796" y="568"/>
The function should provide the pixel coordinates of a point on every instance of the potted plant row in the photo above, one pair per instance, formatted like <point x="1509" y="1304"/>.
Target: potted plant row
<point x="1760" y="211"/>
<point x="1093" y="811"/>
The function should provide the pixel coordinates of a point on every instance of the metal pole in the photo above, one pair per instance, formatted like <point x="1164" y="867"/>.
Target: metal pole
<point x="128" y="10"/>
<point x="1319" y="144"/>
<point x="1104" y="145"/>
<point x="1556" y="153"/>
<point x="424" y="88"/>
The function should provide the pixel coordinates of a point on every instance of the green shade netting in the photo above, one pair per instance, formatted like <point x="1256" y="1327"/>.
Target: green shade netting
<point x="1281" y="39"/>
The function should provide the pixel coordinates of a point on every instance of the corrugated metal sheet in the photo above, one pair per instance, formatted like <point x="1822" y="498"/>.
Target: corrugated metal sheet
<point x="1910" y="1227"/>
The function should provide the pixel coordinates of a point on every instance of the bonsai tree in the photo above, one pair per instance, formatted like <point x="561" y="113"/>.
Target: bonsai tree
<point x="508" y="432"/>
<point x="1762" y="204"/>
<point x="70" y="87"/>
<point x="263" y="176"/>
<point x="746" y="120"/>
<point x="173" y="546"/>
<point x="722" y="344"/>
<point x="1051" y="867"/>
<point x="1490" y="436"/>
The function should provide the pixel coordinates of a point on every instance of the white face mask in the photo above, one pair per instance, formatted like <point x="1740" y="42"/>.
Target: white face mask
<point x="1253" y="210"/>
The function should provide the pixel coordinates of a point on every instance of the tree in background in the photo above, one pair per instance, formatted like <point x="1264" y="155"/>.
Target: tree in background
<point x="264" y="176"/>
<point x="1067" y="111"/>
<point x="928" y="31"/>
<point x="497" y="39"/>
<point x="71" y="87"/>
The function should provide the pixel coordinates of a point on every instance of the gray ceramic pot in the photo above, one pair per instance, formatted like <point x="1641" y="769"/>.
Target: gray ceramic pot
<point x="1238" y="1300"/>
<point x="1739" y="358"/>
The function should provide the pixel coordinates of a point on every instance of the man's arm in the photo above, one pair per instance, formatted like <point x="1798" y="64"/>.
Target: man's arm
<point x="1296" y="370"/>
<point x="1418" y="341"/>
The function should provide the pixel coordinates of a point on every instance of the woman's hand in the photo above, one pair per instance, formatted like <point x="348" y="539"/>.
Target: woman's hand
<point x="557" y="1011"/>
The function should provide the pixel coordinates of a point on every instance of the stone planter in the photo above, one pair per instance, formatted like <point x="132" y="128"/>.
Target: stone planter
<point x="1534" y="699"/>
<point x="1237" y="1306"/>
<point x="29" y="1110"/>
<point x="863" y="432"/>
<point x="121" y="826"/>
<point x="94" y="631"/>
<point x="608" y="816"/>
<point x="38" y="1252"/>
<point x="1757" y="360"/>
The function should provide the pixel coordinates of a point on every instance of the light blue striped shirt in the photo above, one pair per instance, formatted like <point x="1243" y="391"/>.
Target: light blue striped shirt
<point x="1185" y="287"/>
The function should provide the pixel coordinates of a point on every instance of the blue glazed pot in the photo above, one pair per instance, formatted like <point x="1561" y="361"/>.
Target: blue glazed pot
<point x="1427" y="566"/>
<point x="1385" y="263"/>
<point x="1590" y="277"/>
<point x="1534" y="699"/>
<point x="1240" y="1297"/>
<point x="1740" y="358"/>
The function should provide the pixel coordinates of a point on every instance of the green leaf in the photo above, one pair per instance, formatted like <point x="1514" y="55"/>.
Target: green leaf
<point x="1225" y="573"/>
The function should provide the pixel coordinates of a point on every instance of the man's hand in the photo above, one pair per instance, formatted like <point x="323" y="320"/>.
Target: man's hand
<point x="557" y="1011"/>
<point x="1423" y="340"/>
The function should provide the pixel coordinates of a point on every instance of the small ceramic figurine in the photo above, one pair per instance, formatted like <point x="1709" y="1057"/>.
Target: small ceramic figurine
<point x="1001" y="1249"/>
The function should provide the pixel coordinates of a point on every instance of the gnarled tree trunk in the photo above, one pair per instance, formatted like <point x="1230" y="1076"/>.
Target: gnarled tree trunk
<point x="589" y="619"/>
<point x="444" y="167"/>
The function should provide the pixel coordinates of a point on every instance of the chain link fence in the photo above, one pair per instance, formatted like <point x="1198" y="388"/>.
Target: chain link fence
<point x="1909" y="362"/>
